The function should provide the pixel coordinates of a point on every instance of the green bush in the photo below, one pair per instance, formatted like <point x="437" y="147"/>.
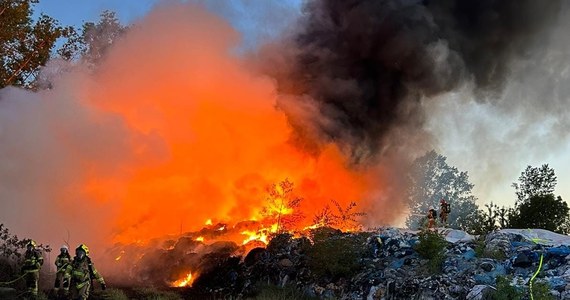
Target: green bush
<point x="481" y="252"/>
<point x="431" y="246"/>
<point x="272" y="292"/>
<point x="279" y="243"/>
<point x="154" y="294"/>
<point x="115" y="294"/>
<point x="541" y="291"/>
<point x="335" y="254"/>
<point x="505" y="291"/>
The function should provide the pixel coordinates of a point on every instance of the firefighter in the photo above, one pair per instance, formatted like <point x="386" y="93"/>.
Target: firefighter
<point x="375" y="243"/>
<point x="432" y="216"/>
<point x="444" y="211"/>
<point x="61" y="263"/>
<point x="33" y="262"/>
<point x="82" y="271"/>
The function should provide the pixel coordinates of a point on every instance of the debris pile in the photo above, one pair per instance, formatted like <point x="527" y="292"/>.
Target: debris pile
<point x="382" y="264"/>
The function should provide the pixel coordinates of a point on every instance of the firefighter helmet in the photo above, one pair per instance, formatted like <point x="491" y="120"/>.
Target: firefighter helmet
<point x="32" y="244"/>
<point x="83" y="248"/>
<point x="64" y="248"/>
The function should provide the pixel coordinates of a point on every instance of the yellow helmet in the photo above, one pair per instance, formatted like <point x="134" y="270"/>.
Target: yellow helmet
<point x="32" y="243"/>
<point x="83" y="248"/>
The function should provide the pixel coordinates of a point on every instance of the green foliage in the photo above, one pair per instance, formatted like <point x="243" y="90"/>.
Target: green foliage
<point x="12" y="247"/>
<point x="541" y="291"/>
<point x="335" y="254"/>
<point x="541" y="211"/>
<point x="505" y="291"/>
<point x="25" y="45"/>
<point x="279" y="243"/>
<point x="343" y="218"/>
<point x="491" y="219"/>
<point x="115" y="294"/>
<point x="535" y="181"/>
<point x="97" y="38"/>
<point x="154" y="294"/>
<point x="479" y="246"/>
<point x="481" y="252"/>
<point x="431" y="246"/>
<point x="282" y="206"/>
<point x="272" y="292"/>
<point x="431" y="179"/>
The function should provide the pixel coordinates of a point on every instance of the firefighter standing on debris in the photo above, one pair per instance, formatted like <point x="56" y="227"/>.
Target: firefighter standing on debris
<point x="82" y="271"/>
<point x="61" y="263"/>
<point x="33" y="262"/>
<point x="432" y="216"/>
<point x="444" y="211"/>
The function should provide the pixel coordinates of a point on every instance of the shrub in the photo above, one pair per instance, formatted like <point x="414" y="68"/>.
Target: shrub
<point x="505" y="291"/>
<point x="154" y="294"/>
<point x="482" y="252"/>
<point x="335" y="254"/>
<point x="115" y="294"/>
<point x="279" y="243"/>
<point x="541" y="291"/>
<point x="272" y="292"/>
<point x="431" y="246"/>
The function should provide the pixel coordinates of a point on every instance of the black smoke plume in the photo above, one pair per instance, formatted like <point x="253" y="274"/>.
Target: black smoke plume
<point x="365" y="66"/>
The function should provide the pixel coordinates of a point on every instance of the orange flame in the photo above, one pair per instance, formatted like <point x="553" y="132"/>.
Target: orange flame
<point x="201" y="136"/>
<point x="185" y="281"/>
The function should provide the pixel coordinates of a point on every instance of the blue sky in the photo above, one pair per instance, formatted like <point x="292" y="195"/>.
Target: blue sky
<point x="254" y="19"/>
<point x="73" y="12"/>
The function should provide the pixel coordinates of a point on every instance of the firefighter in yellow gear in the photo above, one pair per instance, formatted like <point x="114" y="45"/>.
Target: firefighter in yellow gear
<point x="82" y="271"/>
<point x="33" y="261"/>
<point x="61" y="263"/>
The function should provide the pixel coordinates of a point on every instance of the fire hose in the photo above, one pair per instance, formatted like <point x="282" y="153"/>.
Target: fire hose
<point x="533" y="276"/>
<point x="15" y="280"/>
<point x="536" y="241"/>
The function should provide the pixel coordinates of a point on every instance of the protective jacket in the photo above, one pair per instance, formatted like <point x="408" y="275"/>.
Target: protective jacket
<point x="33" y="260"/>
<point x="82" y="271"/>
<point x="61" y="262"/>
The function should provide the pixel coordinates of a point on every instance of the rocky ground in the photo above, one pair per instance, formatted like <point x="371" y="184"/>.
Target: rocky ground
<point x="393" y="269"/>
<point x="387" y="263"/>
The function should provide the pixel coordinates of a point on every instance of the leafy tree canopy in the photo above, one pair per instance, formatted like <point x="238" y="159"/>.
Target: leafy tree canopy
<point x="541" y="211"/>
<point x="535" y="181"/>
<point x="25" y="44"/>
<point x="432" y="179"/>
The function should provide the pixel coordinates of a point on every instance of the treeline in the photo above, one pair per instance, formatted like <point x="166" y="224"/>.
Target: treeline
<point x="535" y="204"/>
<point x="28" y="43"/>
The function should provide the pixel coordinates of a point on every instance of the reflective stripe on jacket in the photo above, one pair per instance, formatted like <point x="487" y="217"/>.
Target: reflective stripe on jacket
<point x="33" y="260"/>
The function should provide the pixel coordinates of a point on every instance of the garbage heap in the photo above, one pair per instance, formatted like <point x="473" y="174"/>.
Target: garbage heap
<point x="384" y="264"/>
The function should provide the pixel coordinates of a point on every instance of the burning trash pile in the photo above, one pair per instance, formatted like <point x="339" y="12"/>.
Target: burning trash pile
<point x="387" y="263"/>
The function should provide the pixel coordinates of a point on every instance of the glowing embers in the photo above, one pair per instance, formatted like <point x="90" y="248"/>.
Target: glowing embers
<point x="261" y="235"/>
<point x="185" y="281"/>
<point x="120" y="255"/>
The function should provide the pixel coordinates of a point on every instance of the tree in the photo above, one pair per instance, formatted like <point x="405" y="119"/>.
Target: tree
<point x="542" y="211"/>
<point x="98" y="37"/>
<point x="25" y="45"/>
<point x="535" y="181"/>
<point x="491" y="219"/>
<point x="536" y="205"/>
<point x="283" y="206"/>
<point x="432" y="179"/>
<point x="344" y="219"/>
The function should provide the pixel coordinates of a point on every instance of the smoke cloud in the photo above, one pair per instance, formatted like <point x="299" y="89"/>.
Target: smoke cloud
<point x="168" y="130"/>
<point x="362" y="68"/>
<point x="173" y="128"/>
